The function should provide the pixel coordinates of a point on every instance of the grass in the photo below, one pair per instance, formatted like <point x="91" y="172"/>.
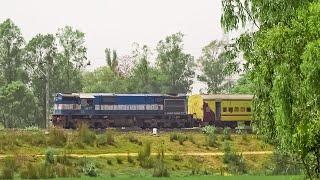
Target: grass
<point x="198" y="177"/>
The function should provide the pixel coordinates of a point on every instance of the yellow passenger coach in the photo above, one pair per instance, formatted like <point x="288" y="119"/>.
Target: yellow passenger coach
<point x="221" y="110"/>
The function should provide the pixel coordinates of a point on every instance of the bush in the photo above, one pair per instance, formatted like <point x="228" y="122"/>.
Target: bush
<point x="106" y="139"/>
<point x="85" y="135"/>
<point x="194" y="165"/>
<point x="226" y="134"/>
<point x="57" y="137"/>
<point x="90" y="170"/>
<point x="49" y="156"/>
<point x="284" y="164"/>
<point x="173" y="137"/>
<point x="212" y="140"/>
<point x="191" y="139"/>
<point x="235" y="162"/>
<point x="119" y="160"/>
<point x="64" y="159"/>
<point x="144" y="156"/>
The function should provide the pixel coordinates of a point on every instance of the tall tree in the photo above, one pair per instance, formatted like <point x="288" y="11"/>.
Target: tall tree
<point x="213" y="67"/>
<point x="112" y="60"/>
<point x="72" y="59"/>
<point x="17" y="105"/>
<point x="176" y="66"/>
<point x="11" y="53"/>
<point x="41" y="52"/>
<point x="283" y="58"/>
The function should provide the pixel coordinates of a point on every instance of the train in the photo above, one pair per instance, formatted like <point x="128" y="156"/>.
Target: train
<point x="104" y="110"/>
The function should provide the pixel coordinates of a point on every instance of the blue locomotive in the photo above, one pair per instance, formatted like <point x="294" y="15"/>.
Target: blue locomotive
<point x="101" y="110"/>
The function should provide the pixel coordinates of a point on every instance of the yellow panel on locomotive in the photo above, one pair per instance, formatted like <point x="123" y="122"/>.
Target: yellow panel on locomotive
<point x="221" y="110"/>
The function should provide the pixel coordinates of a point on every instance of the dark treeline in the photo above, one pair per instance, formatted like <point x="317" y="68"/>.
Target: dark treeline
<point x="61" y="58"/>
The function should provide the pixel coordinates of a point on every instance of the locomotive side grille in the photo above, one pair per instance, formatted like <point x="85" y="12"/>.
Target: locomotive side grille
<point x="175" y="106"/>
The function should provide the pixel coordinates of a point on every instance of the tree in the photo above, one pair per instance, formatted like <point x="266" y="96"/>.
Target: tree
<point x="243" y="85"/>
<point x="41" y="51"/>
<point x="282" y="56"/>
<point x="72" y="59"/>
<point x="176" y="67"/>
<point x="213" y="67"/>
<point x="17" y="105"/>
<point x="112" y="62"/>
<point x="11" y="53"/>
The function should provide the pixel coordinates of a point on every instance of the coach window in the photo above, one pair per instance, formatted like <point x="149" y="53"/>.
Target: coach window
<point x="248" y="109"/>
<point x="242" y="109"/>
<point x="236" y="109"/>
<point x="224" y="109"/>
<point x="231" y="109"/>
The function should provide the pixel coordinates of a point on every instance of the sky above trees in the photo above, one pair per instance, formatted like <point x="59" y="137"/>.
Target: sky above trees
<point x="117" y="24"/>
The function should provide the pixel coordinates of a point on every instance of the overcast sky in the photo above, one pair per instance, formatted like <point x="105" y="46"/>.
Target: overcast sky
<point x="117" y="24"/>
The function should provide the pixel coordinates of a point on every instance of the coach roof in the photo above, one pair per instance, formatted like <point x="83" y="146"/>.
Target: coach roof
<point x="228" y="96"/>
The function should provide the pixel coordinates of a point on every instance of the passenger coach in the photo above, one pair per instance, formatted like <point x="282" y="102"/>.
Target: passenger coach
<point x="221" y="110"/>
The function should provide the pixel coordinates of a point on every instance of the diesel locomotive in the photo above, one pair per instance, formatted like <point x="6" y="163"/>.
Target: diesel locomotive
<point x="102" y="110"/>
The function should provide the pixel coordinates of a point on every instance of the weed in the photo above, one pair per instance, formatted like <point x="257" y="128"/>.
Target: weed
<point x="112" y="175"/>
<point x="64" y="159"/>
<point x="191" y="139"/>
<point x="181" y="139"/>
<point x="235" y="162"/>
<point x="119" y="160"/>
<point x="209" y="130"/>
<point x="160" y="169"/>
<point x="212" y="140"/>
<point x="30" y="172"/>
<point x="173" y="137"/>
<point x="134" y="140"/>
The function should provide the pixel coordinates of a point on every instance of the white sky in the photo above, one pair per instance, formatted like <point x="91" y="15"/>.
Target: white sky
<point x="117" y="24"/>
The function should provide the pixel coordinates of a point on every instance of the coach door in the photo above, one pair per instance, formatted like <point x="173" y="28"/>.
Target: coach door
<point x="218" y="110"/>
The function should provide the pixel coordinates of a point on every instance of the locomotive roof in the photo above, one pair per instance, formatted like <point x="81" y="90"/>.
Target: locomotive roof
<point x="92" y="95"/>
<point x="228" y="96"/>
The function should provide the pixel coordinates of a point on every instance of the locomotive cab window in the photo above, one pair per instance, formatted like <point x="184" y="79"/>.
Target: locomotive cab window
<point x="231" y="109"/>
<point x="248" y="109"/>
<point x="236" y="109"/>
<point x="224" y="109"/>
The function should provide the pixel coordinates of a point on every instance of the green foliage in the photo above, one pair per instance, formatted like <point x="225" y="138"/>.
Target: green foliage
<point x="119" y="160"/>
<point x="282" y="56"/>
<point x="215" y="67"/>
<point x="244" y="85"/>
<point x="7" y="173"/>
<point x="17" y="105"/>
<point x="175" y="66"/>
<point x="160" y="169"/>
<point x="134" y="140"/>
<point x="112" y="61"/>
<point x="284" y="164"/>
<point x="209" y="130"/>
<point x="109" y="161"/>
<point x="130" y="159"/>
<point x="106" y="139"/>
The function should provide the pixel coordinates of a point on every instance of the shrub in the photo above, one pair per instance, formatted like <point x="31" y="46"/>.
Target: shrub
<point x="106" y="139"/>
<point x="109" y="161"/>
<point x="176" y="157"/>
<point x="144" y="156"/>
<point x="235" y="162"/>
<point x="46" y="171"/>
<point x="194" y="165"/>
<point x="160" y="169"/>
<point x="284" y="164"/>
<point x="119" y="160"/>
<point x="85" y="135"/>
<point x="182" y="139"/>
<point x="130" y="159"/>
<point x="7" y="173"/>
<point x="64" y="159"/>
<point x="173" y="137"/>
<point x="212" y="140"/>
<point x="134" y="140"/>
<point x="90" y="170"/>
<point x="31" y="172"/>
<point x="226" y="134"/>
<point x="209" y="130"/>
<point x="57" y="137"/>
<point x="191" y="139"/>
<point x="49" y="156"/>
